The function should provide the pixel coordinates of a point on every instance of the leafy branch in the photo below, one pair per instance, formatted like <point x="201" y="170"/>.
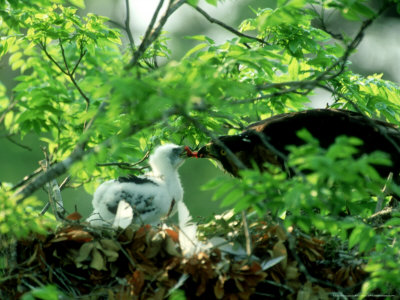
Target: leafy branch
<point x="227" y="27"/>
<point x="303" y="87"/>
<point x="66" y="70"/>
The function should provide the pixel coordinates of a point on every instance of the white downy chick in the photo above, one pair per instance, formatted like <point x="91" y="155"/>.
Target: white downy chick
<point x="152" y="196"/>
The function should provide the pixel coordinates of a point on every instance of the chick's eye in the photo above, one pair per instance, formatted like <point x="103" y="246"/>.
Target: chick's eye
<point x="223" y="152"/>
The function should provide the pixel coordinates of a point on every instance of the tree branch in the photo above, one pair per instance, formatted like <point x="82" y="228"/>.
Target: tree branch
<point x="227" y="27"/>
<point x="152" y="33"/>
<point x="66" y="71"/>
<point x="82" y="54"/>
<point x="71" y="74"/>
<point x="128" y="27"/>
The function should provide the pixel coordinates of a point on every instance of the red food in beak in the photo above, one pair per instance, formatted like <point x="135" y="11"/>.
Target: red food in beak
<point x="190" y="153"/>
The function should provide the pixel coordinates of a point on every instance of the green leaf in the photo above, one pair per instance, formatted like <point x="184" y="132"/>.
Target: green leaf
<point x="193" y="2"/>
<point x="78" y="3"/>
<point x="212" y="2"/>
<point x="195" y="49"/>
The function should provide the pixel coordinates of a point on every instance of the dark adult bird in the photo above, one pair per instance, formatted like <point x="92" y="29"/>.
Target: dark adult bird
<point x="267" y="140"/>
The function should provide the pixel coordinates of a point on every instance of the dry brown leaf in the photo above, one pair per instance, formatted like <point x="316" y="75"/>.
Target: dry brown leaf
<point x="75" y="216"/>
<point x="278" y="250"/>
<point x="137" y="281"/>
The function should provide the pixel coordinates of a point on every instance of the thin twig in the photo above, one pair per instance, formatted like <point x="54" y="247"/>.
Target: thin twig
<point x="65" y="182"/>
<point x="125" y="165"/>
<point x="8" y="137"/>
<point x="71" y="75"/>
<point x="227" y="27"/>
<point x="44" y="48"/>
<point x="82" y="54"/>
<point x="53" y="190"/>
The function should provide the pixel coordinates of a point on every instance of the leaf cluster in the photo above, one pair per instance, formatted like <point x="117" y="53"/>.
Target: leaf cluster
<point x="78" y="90"/>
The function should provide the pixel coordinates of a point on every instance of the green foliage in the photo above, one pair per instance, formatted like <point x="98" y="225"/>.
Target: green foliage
<point x="325" y="184"/>
<point x="177" y="295"/>
<point x="18" y="221"/>
<point x="48" y="292"/>
<point x="74" y="87"/>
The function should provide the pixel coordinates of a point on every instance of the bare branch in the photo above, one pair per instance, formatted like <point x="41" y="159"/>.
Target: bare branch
<point x="128" y="27"/>
<point x="227" y="27"/>
<point x="9" y="137"/>
<point x="152" y="33"/>
<point x="64" y="57"/>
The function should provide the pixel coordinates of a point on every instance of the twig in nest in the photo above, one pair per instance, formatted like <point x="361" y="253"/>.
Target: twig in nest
<point x="55" y="199"/>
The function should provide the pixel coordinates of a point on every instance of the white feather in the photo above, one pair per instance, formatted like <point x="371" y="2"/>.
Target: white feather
<point x="187" y="231"/>
<point x="124" y="215"/>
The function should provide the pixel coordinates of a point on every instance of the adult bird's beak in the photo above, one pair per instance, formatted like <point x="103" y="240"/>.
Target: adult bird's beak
<point x="204" y="152"/>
